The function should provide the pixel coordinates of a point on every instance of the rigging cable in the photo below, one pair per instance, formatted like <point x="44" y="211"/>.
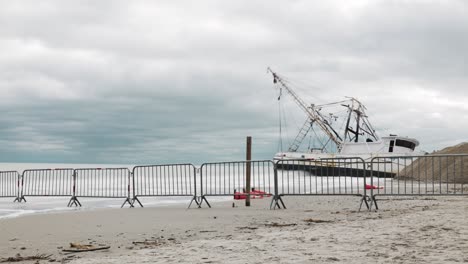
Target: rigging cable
<point x="318" y="139"/>
<point x="342" y="124"/>
<point x="282" y="122"/>
<point x="301" y="86"/>
<point x="333" y="103"/>
<point x="280" y="143"/>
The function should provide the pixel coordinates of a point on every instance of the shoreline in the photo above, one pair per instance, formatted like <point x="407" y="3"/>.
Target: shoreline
<point x="46" y="205"/>
<point x="312" y="229"/>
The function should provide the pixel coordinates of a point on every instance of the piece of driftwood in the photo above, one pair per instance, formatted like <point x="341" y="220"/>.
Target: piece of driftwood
<point x="19" y="258"/>
<point x="311" y="220"/>
<point x="247" y="227"/>
<point x="148" y="243"/>
<point x="81" y="246"/>
<point x="75" y="248"/>
<point x="279" y="225"/>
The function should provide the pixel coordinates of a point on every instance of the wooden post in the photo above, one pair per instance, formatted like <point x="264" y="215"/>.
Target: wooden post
<point x="248" y="170"/>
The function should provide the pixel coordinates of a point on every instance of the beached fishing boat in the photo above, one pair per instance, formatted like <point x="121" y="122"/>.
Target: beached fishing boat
<point x="343" y="134"/>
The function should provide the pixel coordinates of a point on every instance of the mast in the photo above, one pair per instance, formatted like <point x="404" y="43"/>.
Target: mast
<point x="357" y="126"/>
<point x="313" y="114"/>
<point x="363" y="126"/>
<point x="350" y="112"/>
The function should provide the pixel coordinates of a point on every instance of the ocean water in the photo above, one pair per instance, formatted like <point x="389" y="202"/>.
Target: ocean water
<point x="217" y="182"/>
<point x="41" y="204"/>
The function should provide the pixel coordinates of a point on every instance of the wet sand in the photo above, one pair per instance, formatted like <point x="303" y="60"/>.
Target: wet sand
<point x="311" y="230"/>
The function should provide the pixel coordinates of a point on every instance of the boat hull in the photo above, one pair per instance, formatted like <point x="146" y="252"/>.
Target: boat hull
<point x="334" y="171"/>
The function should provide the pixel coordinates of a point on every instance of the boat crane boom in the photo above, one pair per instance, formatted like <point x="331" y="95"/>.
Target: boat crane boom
<point x="313" y="114"/>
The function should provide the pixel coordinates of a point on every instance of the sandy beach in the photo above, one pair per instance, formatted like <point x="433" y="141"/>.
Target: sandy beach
<point x="311" y="230"/>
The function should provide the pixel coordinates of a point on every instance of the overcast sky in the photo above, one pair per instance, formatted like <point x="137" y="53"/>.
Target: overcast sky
<point x="185" y="81"/>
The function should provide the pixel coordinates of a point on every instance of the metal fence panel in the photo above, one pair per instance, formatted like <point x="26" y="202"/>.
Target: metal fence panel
<point x="9" y="183"/>
<point x="164" y="180"/>
<point x="47" y="182"/>
<point x="225" y="178"/>
<point x="333" y="176"/>
<point x="104" y="183"/>
<point x="421" y="175"/>
<point x="389" y="176"/>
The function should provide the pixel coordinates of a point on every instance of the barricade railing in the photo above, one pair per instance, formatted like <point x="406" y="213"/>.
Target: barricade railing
<point x="431" y="175"/>
<point x="428" y="175"/>
<point x="229" y="179"/>
<point x="9" y="184"/>
<point x="164" y="181"/>
<point x="331" y="176"/>
<point x="46" y="182"/>
<point x="102" y="183"/>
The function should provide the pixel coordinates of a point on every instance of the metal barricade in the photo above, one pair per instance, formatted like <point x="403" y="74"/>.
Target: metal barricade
<point x="102" y="183"/>
<point x="46" y="182"/>
<point x="164" y="180"/>
<point x="9" y="184"/>
<point x="331" y="176"/>
<point x="229" y="178"/>
<point x="428" y="175"/>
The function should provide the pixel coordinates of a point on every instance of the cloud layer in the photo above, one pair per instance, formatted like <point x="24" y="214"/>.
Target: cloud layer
<point x="165" y="81"/>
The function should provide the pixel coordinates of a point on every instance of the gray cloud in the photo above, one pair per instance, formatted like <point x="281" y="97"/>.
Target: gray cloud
<point x="121" y="82"/>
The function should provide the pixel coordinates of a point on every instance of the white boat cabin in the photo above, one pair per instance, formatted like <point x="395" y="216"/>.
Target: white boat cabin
<point x="391" y="144"/>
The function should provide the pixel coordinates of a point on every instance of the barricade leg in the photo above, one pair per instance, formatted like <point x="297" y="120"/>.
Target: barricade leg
<point x="136" y="199"/>
<point x="203" y="198"/>
<point x="365" y="199"/>
<point x="127" y="201"/>
<point x="275" y="202"/>
<point x="374" y="202"/>
<point x="19" y="199"/>
<point x="194" y="199"/>
<point x="369" y="201"/>
<point x="74" y="201"/>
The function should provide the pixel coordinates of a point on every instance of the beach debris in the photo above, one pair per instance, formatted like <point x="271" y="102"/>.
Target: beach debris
<point x="247" y="227"/>
<point x="68" y="258"/>
<point x="147" y="242"/>
<point x="279" y="225"/>
<point x="311" y="220"/>
<point x="76" y="247"/>
<point x="80" y="246"/>
<point x="427" y="228"/>
<point x="19" y="258"/>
